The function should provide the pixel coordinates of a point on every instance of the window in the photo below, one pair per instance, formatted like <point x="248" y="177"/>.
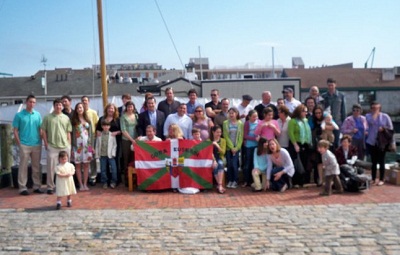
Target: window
<point x="366" y="97"/>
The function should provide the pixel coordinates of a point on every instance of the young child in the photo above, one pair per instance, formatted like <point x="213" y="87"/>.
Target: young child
<point x="260" y="165"/>
<point x="327" y="134"/>
<point x="331" y="168"/>
<point x="233" y="133"/>
<point x="196" y="134"/>
<point x="65" y="185"/>
<point x="106" y="149"/>
<point x="219" y="149"/>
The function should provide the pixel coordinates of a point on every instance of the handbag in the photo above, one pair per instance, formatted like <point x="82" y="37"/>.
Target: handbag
<point x="298" y="166"/>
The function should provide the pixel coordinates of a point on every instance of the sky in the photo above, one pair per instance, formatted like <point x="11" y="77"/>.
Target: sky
<point x="230" y="33"/>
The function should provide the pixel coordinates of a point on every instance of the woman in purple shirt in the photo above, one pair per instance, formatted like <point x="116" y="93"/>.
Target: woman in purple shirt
<point x="377" y="122"/>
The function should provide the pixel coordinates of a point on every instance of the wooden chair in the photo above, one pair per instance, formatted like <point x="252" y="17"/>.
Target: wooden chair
<point x="132" y="178"/>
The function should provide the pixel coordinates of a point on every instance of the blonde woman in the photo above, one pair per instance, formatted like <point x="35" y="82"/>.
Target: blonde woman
<point x="202" y="122"/>
<point x="174" y="132"/>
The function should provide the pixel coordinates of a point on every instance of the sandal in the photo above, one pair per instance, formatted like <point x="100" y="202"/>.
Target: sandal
<point x="244" y="185"/>
<point x="220" y="189"/>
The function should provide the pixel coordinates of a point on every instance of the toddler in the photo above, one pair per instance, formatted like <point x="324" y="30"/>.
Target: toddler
<point x="331" y="168"/>
<point x="65" y="185"/>
<point x="327" y="134"/>
<point x="196" y="134"/>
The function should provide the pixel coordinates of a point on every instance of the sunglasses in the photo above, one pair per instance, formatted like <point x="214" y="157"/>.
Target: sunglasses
<point x="198" y="111"/>
<point x="213" y="95"/>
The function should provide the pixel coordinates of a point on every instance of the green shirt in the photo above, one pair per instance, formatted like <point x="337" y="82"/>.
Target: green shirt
<point x="104" y="144"/>
<point x="299" y="131"/>
<point x="129" y="126"/>
<point x="57" y="127"/>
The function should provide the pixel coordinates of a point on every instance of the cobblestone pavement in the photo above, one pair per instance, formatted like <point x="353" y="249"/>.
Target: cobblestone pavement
<point x="371" y="228"/>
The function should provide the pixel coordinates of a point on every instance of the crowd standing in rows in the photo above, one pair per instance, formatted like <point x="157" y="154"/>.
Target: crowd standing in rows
<point x="263" y="142"/>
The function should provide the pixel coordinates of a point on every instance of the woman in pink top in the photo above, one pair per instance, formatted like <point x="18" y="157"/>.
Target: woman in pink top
<point x="268" y="128"/>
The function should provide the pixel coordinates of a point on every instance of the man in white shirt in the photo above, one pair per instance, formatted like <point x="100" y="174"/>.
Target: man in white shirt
<point x="150" y="135"/>
<point x="244" y="107"/>
<point x="182" y="120"/>
<point x="290" y="102"/>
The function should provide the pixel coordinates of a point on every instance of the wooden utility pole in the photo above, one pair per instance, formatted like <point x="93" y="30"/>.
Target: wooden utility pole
<point x="103" y="71"/>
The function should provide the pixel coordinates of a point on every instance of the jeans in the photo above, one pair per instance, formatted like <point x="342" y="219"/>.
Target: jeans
<point x="219" y="168"/>
<point x="233" y="166"/>
<point x="249" y="164"/>
<point x="277" y="185"/>
<point x="104" y="162"/>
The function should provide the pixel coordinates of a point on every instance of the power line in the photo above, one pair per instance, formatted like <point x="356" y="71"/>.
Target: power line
<point x="170" y="36"/>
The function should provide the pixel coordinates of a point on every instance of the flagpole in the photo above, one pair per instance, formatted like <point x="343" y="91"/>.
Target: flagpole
<point x="104" y="87"/>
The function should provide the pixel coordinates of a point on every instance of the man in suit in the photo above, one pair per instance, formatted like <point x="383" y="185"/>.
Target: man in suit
<point x="151" y="117"/>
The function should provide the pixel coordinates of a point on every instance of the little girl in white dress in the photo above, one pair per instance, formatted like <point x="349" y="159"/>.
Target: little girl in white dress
<point x="65" y="185"/>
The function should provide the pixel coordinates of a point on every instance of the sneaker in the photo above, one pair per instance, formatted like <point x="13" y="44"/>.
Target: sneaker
<point x="234" y="185"/>
<point x="380" y="183"/>
<point x="229" y="185"/>
<point x="284" y="188"/>
<point x="50" y="192"/>
<point x="112" y="185"/>
<point x="69" y="203"/>
<point x="58" y="207"/>
<point x="105" y="186"/>
<point x="24" y="193"/>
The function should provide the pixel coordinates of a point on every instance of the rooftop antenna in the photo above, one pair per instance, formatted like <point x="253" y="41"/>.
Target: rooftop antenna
<point x="43" y="60"/>
<point x="372" y="61"/>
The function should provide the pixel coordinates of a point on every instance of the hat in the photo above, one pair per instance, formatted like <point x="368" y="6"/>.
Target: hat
<point x="287" y="90"/>
<point x="247" y="97"/>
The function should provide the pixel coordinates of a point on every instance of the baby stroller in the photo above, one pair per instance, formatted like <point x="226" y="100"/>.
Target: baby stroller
<point x="353" y="178"/>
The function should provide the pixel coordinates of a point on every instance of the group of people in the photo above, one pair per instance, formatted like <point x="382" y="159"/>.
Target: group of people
<point x="263" y="142"/>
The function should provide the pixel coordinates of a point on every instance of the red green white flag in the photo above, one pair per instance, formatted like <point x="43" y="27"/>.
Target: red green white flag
<point x="173" y="164"/>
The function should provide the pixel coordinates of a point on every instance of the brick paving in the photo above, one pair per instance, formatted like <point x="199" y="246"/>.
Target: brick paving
<point x="238" y="222"/>
<point x="121" y="198"/>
